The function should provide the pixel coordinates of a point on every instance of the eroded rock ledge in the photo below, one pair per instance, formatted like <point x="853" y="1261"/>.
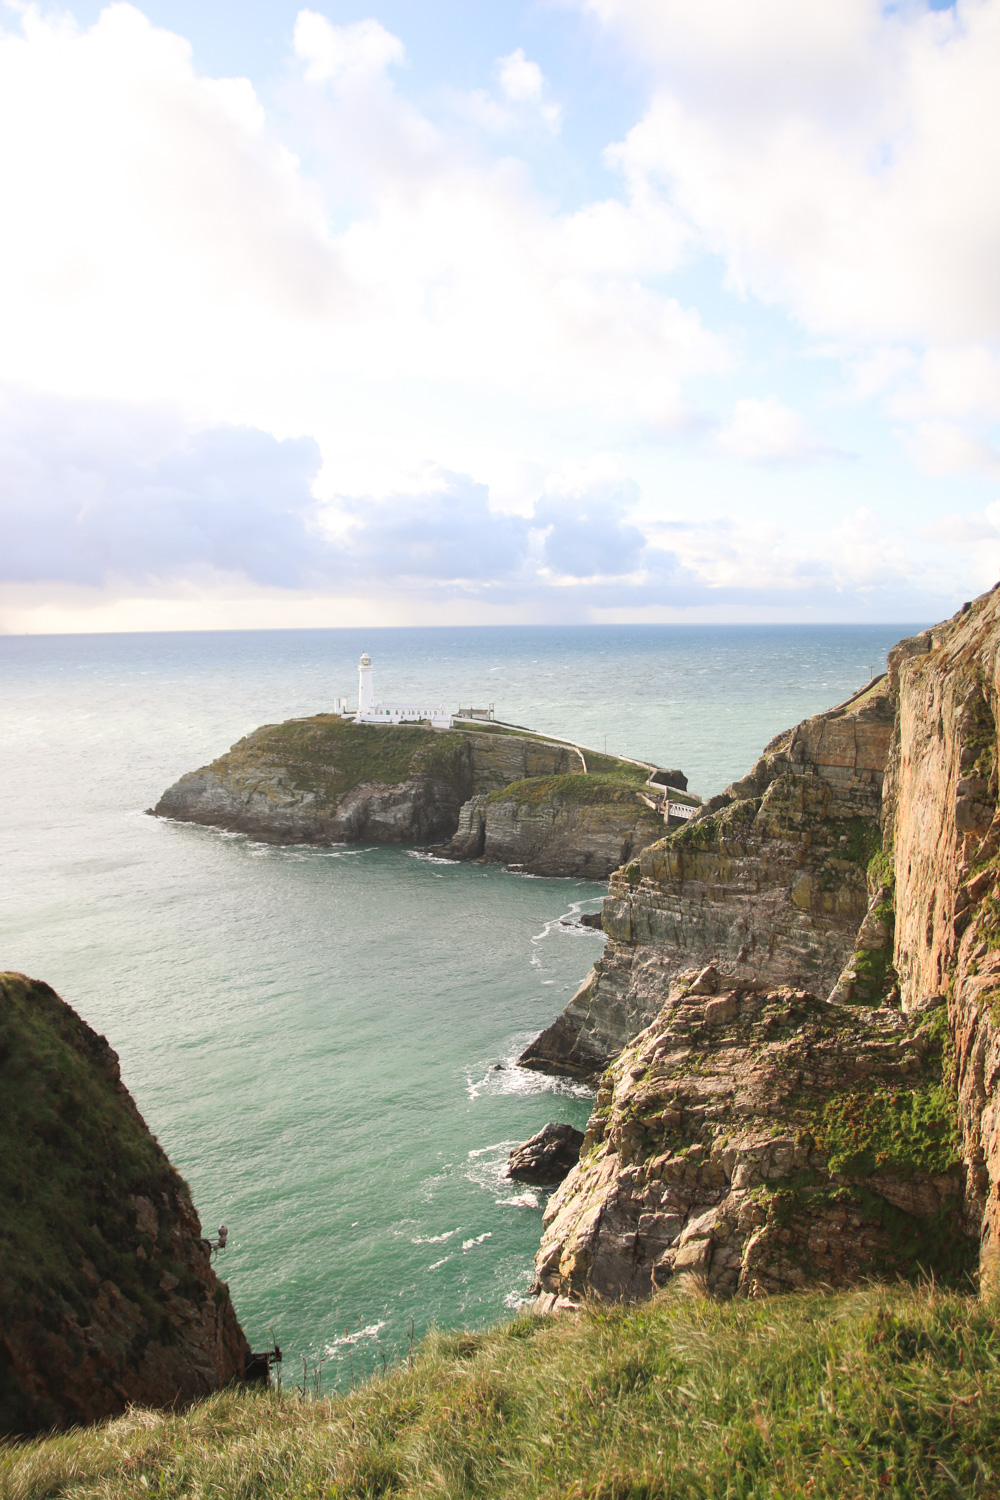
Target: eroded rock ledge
<point x="769" y="882"/>
<point x="762" y="1139"/>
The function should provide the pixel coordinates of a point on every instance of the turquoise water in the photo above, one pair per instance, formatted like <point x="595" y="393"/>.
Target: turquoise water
<point x="313" y="1034"/>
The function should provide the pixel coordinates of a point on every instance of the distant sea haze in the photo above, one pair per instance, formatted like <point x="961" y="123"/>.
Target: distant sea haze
<point x="312" y="1033"/>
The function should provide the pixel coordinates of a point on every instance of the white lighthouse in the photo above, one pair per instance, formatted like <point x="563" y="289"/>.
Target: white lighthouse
<point x="366" y="688"/>
<point x="370" y="712"/>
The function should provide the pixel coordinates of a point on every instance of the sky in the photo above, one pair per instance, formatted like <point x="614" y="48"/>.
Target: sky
<point x="522" y="311"/>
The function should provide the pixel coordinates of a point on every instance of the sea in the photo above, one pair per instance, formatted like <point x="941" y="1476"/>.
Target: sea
<point x="325" y="1040"/>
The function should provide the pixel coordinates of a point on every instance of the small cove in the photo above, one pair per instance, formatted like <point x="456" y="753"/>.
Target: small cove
<point x="312" y="1033"/>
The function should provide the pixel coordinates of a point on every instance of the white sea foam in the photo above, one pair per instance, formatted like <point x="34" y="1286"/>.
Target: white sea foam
<point x="435" y="1239"/>
<point x="485" y="1150"/>
<point x="370" y="1331"/>
<point x="521" y="1200"/>
<point x="508" y="1078"/>
<point x="518" y="1296"/>
<point x="439" y="1263"/>
<point x="468" y="1244"/>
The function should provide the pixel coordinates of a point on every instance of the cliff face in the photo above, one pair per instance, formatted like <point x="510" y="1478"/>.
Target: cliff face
<point x="761" y="1139"/>
<point x="107" y="1293"/>
<point x="943" y="831"/>
<point x="825" y="1100"/>
<point x="558" y="825"/>
<point x="769" y="883"/>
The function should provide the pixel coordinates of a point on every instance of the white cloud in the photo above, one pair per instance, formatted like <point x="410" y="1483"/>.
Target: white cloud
<point x="765" y="431"/>
<point x="521" y="80"/>
<point x="853" y="557"/>
<point x="354" y="53"/>
<point x="838" y="155"/>
<point x="944" y="448"/>
<point x="340" y="274"/>
<point x="523" y="83"/>
<point x="953" y="382"/>
<point x="114" y="498"/>
<point x="168" y="245"/>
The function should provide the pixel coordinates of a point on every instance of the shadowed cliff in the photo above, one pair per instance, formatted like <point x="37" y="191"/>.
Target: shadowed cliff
<point x="107" y="1293"/>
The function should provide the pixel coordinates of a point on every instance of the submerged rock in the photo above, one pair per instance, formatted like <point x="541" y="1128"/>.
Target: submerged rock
<point x="547" y="1157"/>
<point x="107" y="1292"/>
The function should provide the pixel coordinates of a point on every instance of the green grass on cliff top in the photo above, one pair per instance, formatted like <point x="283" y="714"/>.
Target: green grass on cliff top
<point x="578" y="791"/>
<point x="332" y="755"/>
<point x="874" y="1392"/>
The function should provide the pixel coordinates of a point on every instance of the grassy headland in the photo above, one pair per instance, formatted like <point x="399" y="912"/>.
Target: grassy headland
<point x="880" y="1391"/>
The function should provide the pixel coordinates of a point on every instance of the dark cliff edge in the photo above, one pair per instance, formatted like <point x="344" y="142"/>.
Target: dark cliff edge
<point x="107" y="1293"/>
<point x="472" y="793"/>
<point x="796" y="1022"/>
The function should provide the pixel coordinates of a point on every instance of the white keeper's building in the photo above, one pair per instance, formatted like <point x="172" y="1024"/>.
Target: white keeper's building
<point x="370" y="712"/>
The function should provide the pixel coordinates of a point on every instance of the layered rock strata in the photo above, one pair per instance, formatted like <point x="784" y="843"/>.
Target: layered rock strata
<point x="762" y="1139"/>
<point x="558" y="825"/>
<point x="327" y="780"/>
<point x="768" y="881"/>
<point x="107" y="1292"/>
<point x="943" y="845"/>
<point x="762" y="1136"/>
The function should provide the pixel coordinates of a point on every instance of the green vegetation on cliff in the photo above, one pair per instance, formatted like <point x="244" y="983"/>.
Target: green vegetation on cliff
<point x="106" y="1291"/>
<point x="872" y="1392"/>
<point x="73" y="1151"/>
<point x="579" y="791"/>
<point x="329" y="755"/>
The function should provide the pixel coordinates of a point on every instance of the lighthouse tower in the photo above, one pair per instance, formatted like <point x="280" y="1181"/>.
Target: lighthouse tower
<point x="370" y="712"/>
<point x="366" y="688"/>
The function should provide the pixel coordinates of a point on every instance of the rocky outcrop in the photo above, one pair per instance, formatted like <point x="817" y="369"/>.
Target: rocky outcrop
<point x="558" y="825"/>
<point x="327" y="780"/>
<point x="546" y="1157"/>
<point x="768" y="881"/>
<point x="107" y="1292"/>
<point x="761" y="1135"/>
<point x="483" y="793"/>
<point x="760" y="1140"/>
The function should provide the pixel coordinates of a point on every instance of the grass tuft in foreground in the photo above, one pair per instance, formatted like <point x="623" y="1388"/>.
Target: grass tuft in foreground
<point x="875" y="1392"/>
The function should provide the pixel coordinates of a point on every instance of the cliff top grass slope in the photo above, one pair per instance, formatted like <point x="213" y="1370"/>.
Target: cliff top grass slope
<point x="107" y="1295"/>
<point x="869" y="1393"/>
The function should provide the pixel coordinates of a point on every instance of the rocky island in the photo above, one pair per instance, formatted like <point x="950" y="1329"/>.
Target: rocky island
<point x="795" y="1025"/>
<point x="473" y="791"/>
